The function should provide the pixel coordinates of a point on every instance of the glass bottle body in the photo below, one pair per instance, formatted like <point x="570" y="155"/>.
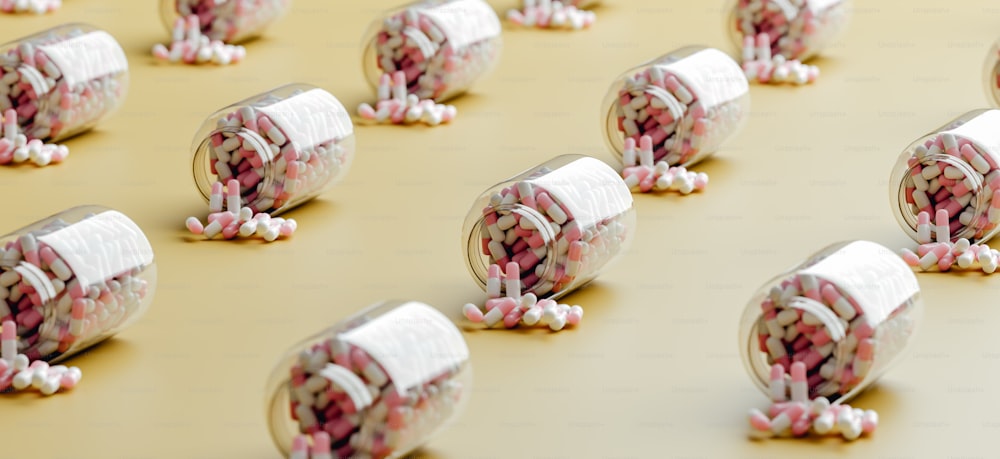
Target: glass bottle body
<point x="74" y="279"/>
<point x="847" y="312"/>
<point x="563" y="222"/>
<point x="381" y="382"/>
<point x="284" y="147"/>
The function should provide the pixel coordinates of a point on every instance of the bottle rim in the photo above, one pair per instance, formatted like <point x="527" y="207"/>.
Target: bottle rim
<point x="479" y="267"/>
<point x="276" y="402"/>
<point x="907" y="219"/>
<point x="615" y="139"/>
<point x="755" y="360"/>
<point x="201" y="164"/>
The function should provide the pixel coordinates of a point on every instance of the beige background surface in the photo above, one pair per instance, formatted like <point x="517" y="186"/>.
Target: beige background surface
<point x="653" y="371"/>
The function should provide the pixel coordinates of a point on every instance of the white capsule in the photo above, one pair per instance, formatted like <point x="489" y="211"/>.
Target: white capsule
<point x="528" y="301"/>
<point x="493" y="317"/>
<point x="823" y="424"/>
<point x="375" y="375"/>
<point x="23" y="379"/>
<point x="532" y="316"/>
<point x="558" y="322"/>
<point x="50" y="385"/>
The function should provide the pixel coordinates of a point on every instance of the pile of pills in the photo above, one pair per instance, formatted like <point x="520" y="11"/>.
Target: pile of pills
<point x="641" y="174"/>
<point x="441" y="47"/>
<point x="760" y="66"/>
<point x="797" y="415"/>
<point x="53" y="309"/>
<point x="59" y="90"/>
<point x="806" y="319"/>
<point x="551" y="248"/>
<point x="340" y="390"/>
<point x="230" y="21"/>
<point x="935" y="185"/>
<point x="30" y="6"/>
<point x="516" y="309"/>
<point x="238" y="221"/>
<point x="551" y="14"/>
<point x="273" y="169"/>
<point x="795" y="29"/>
<point x="17" y="374"/>
<point x="16" y="148"/>
<point x="190" y="46"/>
<point x="656" y="102"/>
<point x="397" y="107"/>
<point x="942" y="253"/>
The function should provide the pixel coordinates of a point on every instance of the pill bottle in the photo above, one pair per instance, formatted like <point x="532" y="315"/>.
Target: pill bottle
<point x="797" y="29"/>
<point x="954" y="168"/>
<point x="562" y="221"/>
<point x="284" y="146"/>
<point x="381" y="382"/>
<point x="62" y="81"/>
<point x="74" y="279"/>
<point x="848" y="312"/>
<point x="689" y="101"/>
<point x="991" y="74"/>
<point x="229" y="21"/>
<point x="442" y="46"/>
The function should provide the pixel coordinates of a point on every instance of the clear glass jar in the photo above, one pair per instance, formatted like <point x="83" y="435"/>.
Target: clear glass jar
<point x="230" y="21"/>
<point x="798" y="29"/>
<point x="381" y="382"/>
<point x="562" y="221"/>
<point x="62" y="81"/>
<point x="954" y="168"/>
<point x="991" y="74"/>
<point x="443" y="46"/>
<point x="847" y="311"/>
<point x="689" y="101"/>
<point x="285" y="146"/>
<point x="74" y="279"/>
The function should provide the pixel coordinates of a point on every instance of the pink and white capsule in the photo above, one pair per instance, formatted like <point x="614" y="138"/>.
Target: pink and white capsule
<point x="8" y="341"/>
<point x="629" y="156"/>
<point x="942" y="233"/>
<point x="513" y="280"/>
<point x="321" y="446"/>
<point x="300" y="448"/>
<point x="923" y="227"/>
<point x="493" y="281"/>
<point x="777" y="384"/>
<point x="799" y="386"/>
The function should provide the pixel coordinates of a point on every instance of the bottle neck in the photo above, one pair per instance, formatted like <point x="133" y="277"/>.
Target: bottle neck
<point x="536" y="253"/>
<point x="242" y="154"/>
<point x="966" y="199"/>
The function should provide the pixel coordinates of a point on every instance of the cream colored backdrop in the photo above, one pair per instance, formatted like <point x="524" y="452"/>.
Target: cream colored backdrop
<point x="653" y="371"/>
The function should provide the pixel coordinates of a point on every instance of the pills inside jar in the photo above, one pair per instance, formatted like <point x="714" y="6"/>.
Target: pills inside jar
<point x="62" y="81"/>
<point x="952" y="169"/>
<point x="561" y="223"/>
<point x="378" y="384"/>
<point x="441" y="46"/>
<point x="794" y="29"/>
<point x="688" y="102"/>
<point x="229" y="21"/>
<point x="73" y="280"/>
<point x="846" y="313"/>
<point x="283" y="147"/>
